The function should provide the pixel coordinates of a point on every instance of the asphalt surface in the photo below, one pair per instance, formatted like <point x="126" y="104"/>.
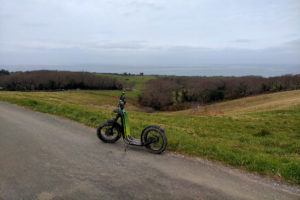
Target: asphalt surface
<point x="47" y="157"/>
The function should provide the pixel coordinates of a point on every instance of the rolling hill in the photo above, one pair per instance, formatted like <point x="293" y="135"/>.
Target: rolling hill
<point x="258" y="103"/>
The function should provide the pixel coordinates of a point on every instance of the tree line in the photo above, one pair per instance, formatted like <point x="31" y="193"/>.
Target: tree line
<point x="174" y="93"/>
<point x="55" y="80"/>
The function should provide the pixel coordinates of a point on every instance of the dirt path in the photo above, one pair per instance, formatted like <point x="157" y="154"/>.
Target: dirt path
<point x="47" y="157"/>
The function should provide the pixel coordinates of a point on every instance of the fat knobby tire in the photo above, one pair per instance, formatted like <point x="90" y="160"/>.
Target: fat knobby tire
<point x="105" y="139"/>
<point x="159" y="130"/>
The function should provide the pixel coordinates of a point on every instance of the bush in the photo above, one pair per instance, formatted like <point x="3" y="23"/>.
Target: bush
<point x="157" y="95"/>
<point x="163" y="93"/>
<point x="4" y="72"/>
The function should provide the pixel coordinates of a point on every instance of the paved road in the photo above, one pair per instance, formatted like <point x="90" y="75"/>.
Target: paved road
<point x="47" y="157"/>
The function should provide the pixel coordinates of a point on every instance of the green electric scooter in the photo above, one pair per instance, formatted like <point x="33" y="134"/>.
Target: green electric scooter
<point x="153" y="137"/>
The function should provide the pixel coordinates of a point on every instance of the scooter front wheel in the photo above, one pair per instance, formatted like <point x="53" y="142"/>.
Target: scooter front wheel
<point x="157" y="135"/>
<point x="109" y="132"/>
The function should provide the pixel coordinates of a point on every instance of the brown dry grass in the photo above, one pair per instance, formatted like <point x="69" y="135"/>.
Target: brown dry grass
<point x="89" y="98"/>
<point x="265" y="102"/>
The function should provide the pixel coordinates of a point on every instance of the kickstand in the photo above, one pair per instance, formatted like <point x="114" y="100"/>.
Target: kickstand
<point x="125" y="146"/>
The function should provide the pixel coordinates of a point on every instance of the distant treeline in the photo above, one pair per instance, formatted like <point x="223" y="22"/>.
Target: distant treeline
<point x="173" y="93"/>
<point x="55" y="80"/>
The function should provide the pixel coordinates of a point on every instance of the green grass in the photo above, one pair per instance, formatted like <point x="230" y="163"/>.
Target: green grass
<point x="135" y="82"/>
<point x="131" y="95"/>
<point x="264" y="142"/>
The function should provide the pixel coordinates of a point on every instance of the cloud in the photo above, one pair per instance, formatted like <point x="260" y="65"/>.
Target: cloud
<point x="133" y="7"/>
<point x="35" y="25"/>
<point x="243" y="41"/>
<point x="123" y="45"/>
<point x="145" y="4"/>
<point x="293" y="43"/>
<point x="137" y="45"/>
<point x="186" y="48"/>
<point x="34" y="45"/>
<point x="161" y="32"/>
<point x="95" y="45"/>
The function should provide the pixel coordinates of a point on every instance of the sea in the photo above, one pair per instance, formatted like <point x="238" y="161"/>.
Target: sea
<point x="265" y="70"/>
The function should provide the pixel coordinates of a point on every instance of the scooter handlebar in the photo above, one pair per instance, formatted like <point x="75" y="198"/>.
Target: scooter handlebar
<point x="122" y="101"/>
<point x="122" y="97"/>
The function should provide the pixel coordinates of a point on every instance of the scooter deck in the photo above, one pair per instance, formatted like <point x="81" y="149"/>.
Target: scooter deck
<point x="133" y="141"/>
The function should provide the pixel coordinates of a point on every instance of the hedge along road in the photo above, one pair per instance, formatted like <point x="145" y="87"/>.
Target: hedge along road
<point x="47" y="157"/>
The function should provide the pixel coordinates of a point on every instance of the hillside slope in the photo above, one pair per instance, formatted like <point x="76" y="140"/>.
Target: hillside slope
<point x="265" y="102"/>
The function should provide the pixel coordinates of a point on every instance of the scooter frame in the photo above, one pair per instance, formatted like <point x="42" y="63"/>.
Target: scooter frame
<point x="126" y="134"/>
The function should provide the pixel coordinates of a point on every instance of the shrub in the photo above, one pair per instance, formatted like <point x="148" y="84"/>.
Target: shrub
<point x="4" y="72"/>
<point x="164" y="92"/>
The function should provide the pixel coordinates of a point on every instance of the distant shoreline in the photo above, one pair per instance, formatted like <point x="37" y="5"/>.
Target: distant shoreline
<point x="265" y="70"/>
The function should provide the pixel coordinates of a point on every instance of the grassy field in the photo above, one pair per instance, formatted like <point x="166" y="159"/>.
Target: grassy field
<point x="135" y="82"/>
<point x="266" y="102"/>
<point x="251" y="133"/>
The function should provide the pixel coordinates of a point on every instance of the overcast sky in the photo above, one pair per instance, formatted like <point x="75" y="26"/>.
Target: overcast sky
<point x="149" y="32"/>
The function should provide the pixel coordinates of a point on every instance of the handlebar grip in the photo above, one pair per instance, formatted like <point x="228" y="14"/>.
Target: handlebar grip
<point x="122" y="97"/>
<point x="122" y="101"/>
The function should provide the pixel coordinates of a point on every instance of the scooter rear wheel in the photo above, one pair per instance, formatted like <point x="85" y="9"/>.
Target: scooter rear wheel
<point x="158" y="133"/>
